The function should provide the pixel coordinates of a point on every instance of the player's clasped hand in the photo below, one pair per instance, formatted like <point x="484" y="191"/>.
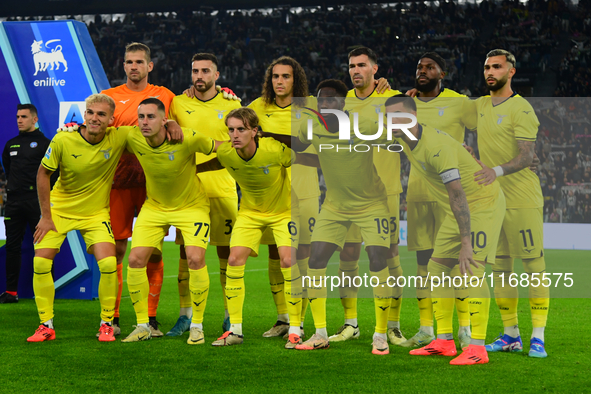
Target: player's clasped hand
<point x="43" y="227"/>
<point x="174" y="133"/>
<point x="485" y="176"/>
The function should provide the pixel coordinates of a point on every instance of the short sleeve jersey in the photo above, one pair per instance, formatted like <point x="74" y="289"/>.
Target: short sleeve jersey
<point x="170" y="170"/>
<point x="129" y="173"/>
<point x="387" y="164"/>
<point x="263" y="178"/>
<point x="499" y="128"/>
<point x="451" y="112"/>
<point x="352" y="181"/>
<point x="207" y="117"/>
<point x="86" y="172"/>
<point x="440" y="159"/>
<point x="284" y="120"/>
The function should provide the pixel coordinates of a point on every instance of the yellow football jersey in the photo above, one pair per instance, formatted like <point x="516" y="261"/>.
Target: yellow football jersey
<point x="499" y="128"/>
<point x="387" y="164"/>
<point x="170" y="170"/>
<point x="207" y="117"/>
<point x="263" y="178"/>
<point x="86" y="171"/>
<point x="352" y="181"/>
<point x="440" y="159"/>
<point x="282" y="120"/>
<point x="450" y="112"/>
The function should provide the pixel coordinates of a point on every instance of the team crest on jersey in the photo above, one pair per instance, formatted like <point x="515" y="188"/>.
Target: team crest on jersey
<point x="266" y="169"/>
<point x="441" y="110"/>
<point x="106" y="153"/>
<point x="500" y="120"/>
<point x="48" y="153"/>
<point x="220" y="113"/>
<point x="33" y="144"/>
<point x="298" y="114"/>
<point x="171" y="155"/>
<point x="378" y="107"/>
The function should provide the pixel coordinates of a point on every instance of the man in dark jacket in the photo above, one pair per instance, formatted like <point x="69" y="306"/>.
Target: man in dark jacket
<point x="21" y="158"/>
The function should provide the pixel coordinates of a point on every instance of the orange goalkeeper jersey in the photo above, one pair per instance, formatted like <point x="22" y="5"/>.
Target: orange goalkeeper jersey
<point x="129" y="173"/>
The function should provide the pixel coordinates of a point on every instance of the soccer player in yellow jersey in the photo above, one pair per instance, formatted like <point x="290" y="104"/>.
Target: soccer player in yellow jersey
<point x="507" y="129"/>
<point x="260" y="168"/>
<point x="285" y="90"/>
<point x="355" y="194"/>
<point x="366" y="99"/>
<point x="79" y="201"/>
<point x="446" y="110"/>
<point x="205" y="112"/>
<point x="175" y="196"/>
<point x="468" y="234"/>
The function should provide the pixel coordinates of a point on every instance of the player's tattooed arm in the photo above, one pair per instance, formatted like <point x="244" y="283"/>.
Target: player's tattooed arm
<point x="43" y="188"/>
<point x="459" y="206"/>
<point x="212" y="165"/>
<point x="523" y="160"/>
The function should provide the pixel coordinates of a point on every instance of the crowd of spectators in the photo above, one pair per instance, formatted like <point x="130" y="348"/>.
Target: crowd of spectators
<point x="319" y="38"/>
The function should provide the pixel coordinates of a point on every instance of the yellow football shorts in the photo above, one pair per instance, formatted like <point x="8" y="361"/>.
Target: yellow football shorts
<point x="486" y="221"/>
<point x="373" y="223"/>
<point x="522" y="235"/>
<point x="304" y="212"/>
<point x="152" y="226"/>
<point x="249" y="229"/>
<point x="354" y="233"/>
<point x="94" y="230"/>
<point x="423" y="222"/>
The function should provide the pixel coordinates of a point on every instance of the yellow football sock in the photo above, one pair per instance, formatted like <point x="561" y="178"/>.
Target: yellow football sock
<point x="317" y="295"/>
<point x="293" y="294"/>
<point x="424" y="297"/>
<point x="395" y="270"/>
<point x="506" y="297"/>
<point x="43" y="287"/>
<point x="303" y="266"/>
<point x="442" y="297"/>
<point x="199" y="286"/>
<point x="223" y="268"/>
<point x="461" y="293"/>
<point x="108" y="287"/>
<point x="382" y="294"/>
<point x="138" y="286"/>
<point x="235" y="292"/>
<point x="539" y="296"/>
<point x="276" y="282"/>
<point x="479" y="300"/>
<point x="348" y="292"/>
<point x="183" y="279"/>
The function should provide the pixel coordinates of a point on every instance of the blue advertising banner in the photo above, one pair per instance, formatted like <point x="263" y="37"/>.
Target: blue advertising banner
<point x="53" y="65"/>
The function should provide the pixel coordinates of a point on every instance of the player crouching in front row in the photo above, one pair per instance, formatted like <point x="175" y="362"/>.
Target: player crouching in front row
<point x="259" y="167"/>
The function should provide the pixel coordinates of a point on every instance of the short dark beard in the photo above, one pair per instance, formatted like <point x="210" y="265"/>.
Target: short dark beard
<point x="498" y="85"/>
<point x="205" y="88"/>
<point x="427" y="87"/>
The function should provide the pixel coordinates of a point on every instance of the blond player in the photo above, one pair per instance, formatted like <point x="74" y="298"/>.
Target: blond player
<point x="79" y="201"/>
<point x="260" y="168"/>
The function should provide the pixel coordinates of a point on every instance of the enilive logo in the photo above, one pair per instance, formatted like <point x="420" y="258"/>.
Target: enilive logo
<point x="345" y="130"/>
<point x="45" y="56"/>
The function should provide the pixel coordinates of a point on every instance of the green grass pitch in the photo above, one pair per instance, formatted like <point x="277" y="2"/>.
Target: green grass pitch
<point x="77" y="362"/>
